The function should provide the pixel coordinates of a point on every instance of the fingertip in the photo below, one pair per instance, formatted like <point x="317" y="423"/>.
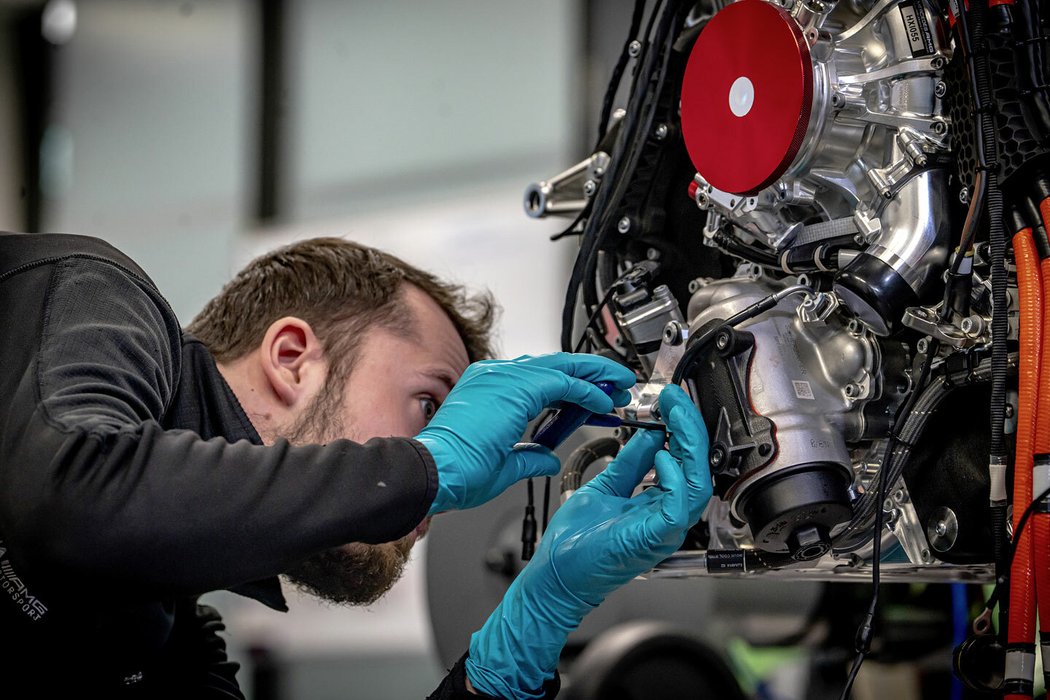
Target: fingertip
<point x="655" y="437"/>
<point x="668" y="470"/>
<point x="621" y="397"/>
<point x="535" y="460"/>
<point x="673" y="395"/>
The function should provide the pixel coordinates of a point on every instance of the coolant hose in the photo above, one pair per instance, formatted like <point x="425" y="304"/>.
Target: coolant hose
<point x="1020" y="649"/>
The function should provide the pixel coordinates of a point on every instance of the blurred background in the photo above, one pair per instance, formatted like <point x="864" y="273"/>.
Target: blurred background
<point x="196" y="134"/>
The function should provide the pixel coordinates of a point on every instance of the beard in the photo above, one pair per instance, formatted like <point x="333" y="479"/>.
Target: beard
<point x="356" y="573"/>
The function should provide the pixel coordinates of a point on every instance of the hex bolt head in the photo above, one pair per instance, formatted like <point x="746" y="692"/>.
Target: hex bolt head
<point x="624" y="225"/>
<point x="941" y="89"/>
<point x="634" y="49"/>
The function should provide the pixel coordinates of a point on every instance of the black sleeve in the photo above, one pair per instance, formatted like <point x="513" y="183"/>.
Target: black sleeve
<point x="95" y="492"/>
<point x="454" y="685"/>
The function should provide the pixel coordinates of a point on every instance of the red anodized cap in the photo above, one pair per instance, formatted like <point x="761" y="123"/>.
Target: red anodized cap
<point x="746" y="96"/>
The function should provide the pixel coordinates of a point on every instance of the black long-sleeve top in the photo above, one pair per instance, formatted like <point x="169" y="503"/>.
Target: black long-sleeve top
<point x="131" y="481"/>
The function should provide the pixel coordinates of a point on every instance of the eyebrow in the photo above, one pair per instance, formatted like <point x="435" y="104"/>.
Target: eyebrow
<point x="441" y="375"/>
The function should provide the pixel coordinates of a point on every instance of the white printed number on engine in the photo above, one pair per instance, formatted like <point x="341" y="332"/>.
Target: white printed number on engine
<point x="802" y="390"/>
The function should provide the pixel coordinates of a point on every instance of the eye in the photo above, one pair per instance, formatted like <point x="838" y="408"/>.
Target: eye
<point x="429" y="407"/>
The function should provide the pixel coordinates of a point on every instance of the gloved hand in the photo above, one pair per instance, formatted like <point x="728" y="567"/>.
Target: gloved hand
<point x="472" y="436"/>
<point x="601" y="538"/>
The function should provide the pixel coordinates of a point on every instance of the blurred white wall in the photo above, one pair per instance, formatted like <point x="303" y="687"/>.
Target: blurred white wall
<point x="150" y="138"/>
<point x="10" y="148"/>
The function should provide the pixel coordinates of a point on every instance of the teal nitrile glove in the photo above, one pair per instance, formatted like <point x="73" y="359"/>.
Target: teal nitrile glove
<point x="472" y="436"/>
<point x="601" y="538"/>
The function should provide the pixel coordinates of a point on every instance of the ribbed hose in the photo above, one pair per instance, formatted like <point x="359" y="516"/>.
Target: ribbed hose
<point x="1021" y="631"/>
<point x="998" y="458"/>
<point x="1041" y="519"/>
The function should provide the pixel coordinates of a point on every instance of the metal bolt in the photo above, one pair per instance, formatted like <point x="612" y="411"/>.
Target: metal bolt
<point x="926" y="556"/>
<point x="702" y="199"/>
<point x="652" y="254"/>
<point x="899" y="496"/>
<point x="941" y="528"/>
<point x="941" y="89"/>
<point x="940" y="127"/>
<point x="851" y="390"/>
<point x="624" y="225"/>
<point x="634" y="48"/>
<point x="923" y="345"/>
<point x="589" y="188"/>
<point x="722" y="341"/>
<point x="661" y="132"/>
<point x="694" y="286"/>
<point x="921" y="160"/>
<point x="964" y="195"/>
<point x="967" y="325"/>
<point x="718" y="455"/>
<point x="938" y="62"/>
<point x="853" y="327"/>
<point x="1009" y="410"/>
<point x="673" y="333"/>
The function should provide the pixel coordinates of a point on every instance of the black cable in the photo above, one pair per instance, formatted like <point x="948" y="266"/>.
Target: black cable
<point x="696" y="343"/>
<point x="865" y="632"/>
<point x="651" y="79"/>
<point x="996" y="592"/>
<point x="546" y="505"/>
<point x="528" y="527"/>
<point x="628" y="144"/>
<point x="594" y="316"/>
<point x="984" y="141"/>
<point x="621" y="65"/>
<point x="570" y="230"/>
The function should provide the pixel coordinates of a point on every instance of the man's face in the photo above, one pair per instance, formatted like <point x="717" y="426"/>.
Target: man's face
<point x="395" y="387"/>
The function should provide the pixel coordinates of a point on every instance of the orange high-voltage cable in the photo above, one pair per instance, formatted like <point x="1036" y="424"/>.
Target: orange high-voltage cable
<point x="1041" y="467"/>
<point x="1020" y="649"/>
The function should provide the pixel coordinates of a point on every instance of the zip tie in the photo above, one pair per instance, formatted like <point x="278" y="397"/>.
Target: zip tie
<point x="1041" y="481"/>
<point x="1019" y="670"/>
<point x="997" y="478"/>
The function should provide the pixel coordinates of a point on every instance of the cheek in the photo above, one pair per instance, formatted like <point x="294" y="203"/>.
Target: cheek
<point x="383" y="417"/>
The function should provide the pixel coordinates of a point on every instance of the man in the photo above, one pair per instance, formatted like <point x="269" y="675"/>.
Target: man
<point x="310" y="422"/>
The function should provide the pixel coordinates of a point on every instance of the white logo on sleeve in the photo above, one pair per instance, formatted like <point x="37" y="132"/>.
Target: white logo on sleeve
<point x="32" y="606"/>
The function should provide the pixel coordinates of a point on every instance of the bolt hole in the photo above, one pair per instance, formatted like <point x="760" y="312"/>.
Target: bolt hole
<point x="535" y="201"/>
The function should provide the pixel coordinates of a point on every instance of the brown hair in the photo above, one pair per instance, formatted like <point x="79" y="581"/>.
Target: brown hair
<point x="341" y="289"/>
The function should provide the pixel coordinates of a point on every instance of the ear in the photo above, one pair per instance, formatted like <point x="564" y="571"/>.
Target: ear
<point x="292" y="360"/>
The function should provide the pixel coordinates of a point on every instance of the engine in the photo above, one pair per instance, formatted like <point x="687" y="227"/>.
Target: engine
<point x="827" y="220"/>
